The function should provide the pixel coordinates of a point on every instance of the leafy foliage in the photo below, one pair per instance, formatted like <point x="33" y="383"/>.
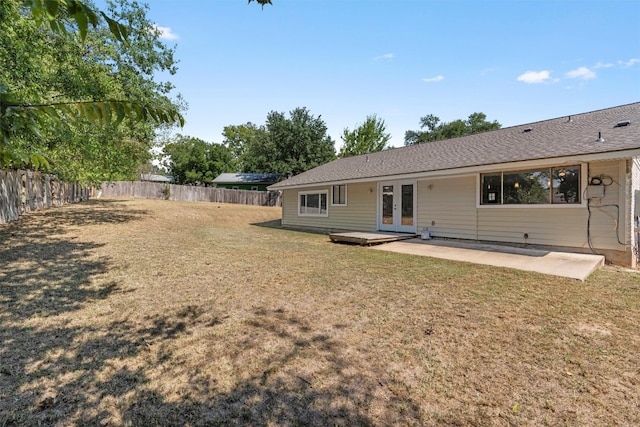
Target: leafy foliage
<point x="435" y="131"/>
<point x="285" y="145"/>
<point x="261" y="2"/>
<point x="237" y="139"/>
<point x="196" y="162"/>
<point x="369" y="137"/>
<point x="83" y="103"/>
<point x="54" y="12"/>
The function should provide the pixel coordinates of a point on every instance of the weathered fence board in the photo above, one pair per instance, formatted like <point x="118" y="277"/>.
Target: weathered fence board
<point x="189" y="193"/>
<point x="24" y="191"/>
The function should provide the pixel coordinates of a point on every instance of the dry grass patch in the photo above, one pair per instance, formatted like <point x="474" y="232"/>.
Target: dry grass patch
<point x="133" y="312"/>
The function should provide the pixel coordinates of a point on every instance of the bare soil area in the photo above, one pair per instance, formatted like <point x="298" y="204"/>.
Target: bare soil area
<point x="138" y="312"/>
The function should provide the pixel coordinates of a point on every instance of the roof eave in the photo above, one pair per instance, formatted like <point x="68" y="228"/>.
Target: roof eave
<point x="578" y="158"/>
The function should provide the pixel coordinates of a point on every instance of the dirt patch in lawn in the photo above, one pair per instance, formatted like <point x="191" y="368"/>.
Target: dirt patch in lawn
<point x="134" y="312"/>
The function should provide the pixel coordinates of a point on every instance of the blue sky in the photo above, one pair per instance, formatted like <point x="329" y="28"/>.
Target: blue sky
<point x="515" y="61"/>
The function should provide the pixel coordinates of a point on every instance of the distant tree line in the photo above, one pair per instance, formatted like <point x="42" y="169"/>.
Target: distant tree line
<point x="290" y="145"/>
<point x="433" y="130"/>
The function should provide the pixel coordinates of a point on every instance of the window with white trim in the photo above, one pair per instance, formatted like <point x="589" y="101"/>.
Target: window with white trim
<point x="557" y="185"/>
<point x="313" y="203"/>
<point x="339" y="194"/>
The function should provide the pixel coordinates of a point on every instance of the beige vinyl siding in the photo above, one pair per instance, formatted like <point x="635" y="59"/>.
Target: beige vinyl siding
<point x="604" y="215"/>
<point x="634" y="208"/>
<point x="559" y="225"/>
<point x="451" y="204"/>
<point x="544" y="225"/>
<point x="448" y="207"/>
<point x="359" y="214"/>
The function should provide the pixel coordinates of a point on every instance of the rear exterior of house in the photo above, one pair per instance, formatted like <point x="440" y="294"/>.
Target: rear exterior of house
<point x="568" y="183"/>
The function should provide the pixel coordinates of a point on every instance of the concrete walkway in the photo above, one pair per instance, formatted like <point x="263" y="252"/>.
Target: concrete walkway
<point x="564" y="264"/>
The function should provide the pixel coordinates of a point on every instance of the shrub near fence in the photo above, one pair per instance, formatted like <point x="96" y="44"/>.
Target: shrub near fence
<point x="190" y="193"/>
<point x="24" y="191"/>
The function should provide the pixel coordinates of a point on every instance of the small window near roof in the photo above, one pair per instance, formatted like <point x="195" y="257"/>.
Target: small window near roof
<point x="339" y="195"/>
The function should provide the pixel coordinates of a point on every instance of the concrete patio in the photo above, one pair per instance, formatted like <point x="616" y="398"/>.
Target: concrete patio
<point x="565" y="264"/>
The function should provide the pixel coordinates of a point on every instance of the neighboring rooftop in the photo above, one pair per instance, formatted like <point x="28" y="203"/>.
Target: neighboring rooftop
<point x="155" y="177"/>
<point x="246" y="178"/>
<point x="580" y="134"/>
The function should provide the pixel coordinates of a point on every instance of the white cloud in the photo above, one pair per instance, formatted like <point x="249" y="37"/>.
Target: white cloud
<point x="535" y="77"/>
<point x="630" y="62"/>
<point x="603" y="65"/>
<point x="581" y="73"/>
<point x="385" y="57"/>
<point x="437" y="78"/>
<point x="166" y="33"/>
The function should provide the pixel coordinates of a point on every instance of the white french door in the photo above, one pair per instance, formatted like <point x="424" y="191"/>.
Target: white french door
<point x="397" y="201"/>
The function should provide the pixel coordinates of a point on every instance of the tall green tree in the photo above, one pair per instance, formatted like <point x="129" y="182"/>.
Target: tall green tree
<point x="85" y="102"/>
<point x="288" y="145"/>
<point x="237" y="138"/>
<point x="368" y="137"/>
<point x="193" y="161"/>
<point x="433" y="130"/>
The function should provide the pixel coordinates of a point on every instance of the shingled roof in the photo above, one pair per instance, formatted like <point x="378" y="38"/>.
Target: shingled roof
<point x="574" y="135"/>
<point x="246" y="178"/>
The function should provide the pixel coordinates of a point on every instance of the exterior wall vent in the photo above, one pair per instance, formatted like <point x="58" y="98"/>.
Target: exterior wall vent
<point x="623" y="123"/>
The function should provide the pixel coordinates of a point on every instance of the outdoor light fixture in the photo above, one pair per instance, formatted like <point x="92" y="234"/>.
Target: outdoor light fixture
<point x="516" y="185"/>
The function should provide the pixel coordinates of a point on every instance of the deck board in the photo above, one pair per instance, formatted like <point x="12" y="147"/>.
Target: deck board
<point x="369" y="238"/>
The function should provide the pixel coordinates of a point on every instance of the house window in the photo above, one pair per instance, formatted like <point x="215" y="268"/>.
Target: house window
<point x="313" y="203"/>
<point x="557" y="185"/>
<point x="339" y="195"/>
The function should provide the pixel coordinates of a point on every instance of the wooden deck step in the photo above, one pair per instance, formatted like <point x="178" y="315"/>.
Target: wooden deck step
<point x="369" y="238"/>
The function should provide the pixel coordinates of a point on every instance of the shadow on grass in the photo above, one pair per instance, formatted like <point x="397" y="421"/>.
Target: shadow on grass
<point x="276" y="223"/>
<point x="328" y="390"/>
<point x="66" y="375"/>
<point x="61" y="370"/>
<point x="45" y="271"/>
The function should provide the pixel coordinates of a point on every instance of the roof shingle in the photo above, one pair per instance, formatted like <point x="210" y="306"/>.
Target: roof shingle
<point x="561" y="137"/>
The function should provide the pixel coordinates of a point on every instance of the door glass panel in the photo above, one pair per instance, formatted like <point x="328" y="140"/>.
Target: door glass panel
<point x="387" y="204"/>
<point x="407" y="204"/>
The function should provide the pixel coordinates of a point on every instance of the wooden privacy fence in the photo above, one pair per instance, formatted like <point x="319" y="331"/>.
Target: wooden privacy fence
<point x="189" y="193"/>
<point x="24" y="191"/>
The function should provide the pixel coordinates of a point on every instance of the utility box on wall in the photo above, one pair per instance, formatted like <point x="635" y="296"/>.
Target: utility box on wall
<point x="595" y="191"/>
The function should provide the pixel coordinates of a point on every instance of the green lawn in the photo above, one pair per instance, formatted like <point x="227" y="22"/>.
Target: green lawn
<point x="136" y="312"/>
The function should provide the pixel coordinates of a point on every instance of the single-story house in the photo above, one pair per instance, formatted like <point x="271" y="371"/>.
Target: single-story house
<point x="246" y="181"/>
<point x="571" y="182"/>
